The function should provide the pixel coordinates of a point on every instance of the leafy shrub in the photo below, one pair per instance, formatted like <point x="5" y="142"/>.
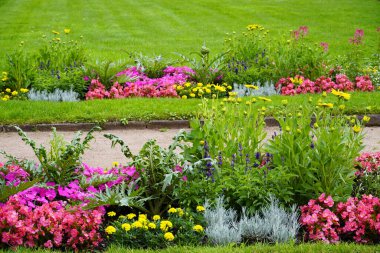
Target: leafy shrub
<point x="161" y="172"/>
<point x="104" y="71"/>
<point x="320" y="156"/>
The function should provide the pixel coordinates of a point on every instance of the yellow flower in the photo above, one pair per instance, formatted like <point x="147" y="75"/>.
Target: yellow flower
<point x="110" y="230"/>
<point x="172" y="210"/>
<point x="328" y="105"/>
<point x="184" y="97"/>
<point x="111" y="214"/>
<point x="339" y="94"/>
<point x="232" y="94"/>
<point x="179" y="87"/>
<point x="192" y="95"/>
<point x="366" y="119"/>
<point x="137" y="224"/>
<point x="156" y="217"/>
<point x="115" y="164"/>
<point x="131" y="216"/>
<point x="180" y="212"/>
<point x="8" y="90"/>
<point x="5" y="78"/>
<point x="187" y="84"/>
<point x="55" y="32"/>
<point x="66" y="30"/>
<point x="356" y="128"/>
<point x="296" y="80"/>
<point x="208" y="91"/>
<point x="250" y="86"/>
<point x="198" y="228"/>
<point x="14" y="93"/>
<point x="200" y="209"/>
<point x="4" y="99"/>
<point x="254" y="27"/>
<point x="152" y="225"/>
<point x="126" y="226"/>
<point x="229" y="87"/>
<point x="169" y="236"/>
<point x="4" y="73"/>
<point x="265" y="99"/>
<point x="316" y="125"/>
<point x="199" y="84"/>
<point x="142" y="218"/>
<point x="24" y="90"/>
<point x="165" y="225"/>
<point x="201" y="142"/>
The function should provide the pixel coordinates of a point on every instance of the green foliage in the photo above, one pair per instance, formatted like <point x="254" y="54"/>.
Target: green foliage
<point x="20" y="69"/>
<point x="105" y="71"/>
<point x="160" y="171"/>
<point x="8" y="190"/>
<point x="152" y="66"/>
<point x="369" y="183"/>
<point x="208" y="70"/>
<point x="320" y="159"/>
<point x="61" y="163"/>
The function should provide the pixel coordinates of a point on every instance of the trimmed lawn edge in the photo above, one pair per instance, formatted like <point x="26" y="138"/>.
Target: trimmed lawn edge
<point x="153" y="124"/>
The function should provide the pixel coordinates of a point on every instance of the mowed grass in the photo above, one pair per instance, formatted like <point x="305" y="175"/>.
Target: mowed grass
<point x="145" y="109"/>
<point x="258" y="248"/>
<point x="111" y="28"/>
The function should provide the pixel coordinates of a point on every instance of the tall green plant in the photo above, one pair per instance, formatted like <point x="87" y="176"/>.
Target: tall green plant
<point x="20" y="70"/>
<point x="60" y="164"/>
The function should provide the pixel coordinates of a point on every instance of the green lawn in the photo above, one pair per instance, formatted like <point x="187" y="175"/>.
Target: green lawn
<point x="166" y="26"/>
<point x="258" y="248"/>
<point x="22" y="112"/>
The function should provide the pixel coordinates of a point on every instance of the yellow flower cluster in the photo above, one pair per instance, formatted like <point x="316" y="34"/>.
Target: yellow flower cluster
<point x="198" y="228"/>
<point x="340" y="94"/>
<point x="253" y="27"/>
<point x="199" y="90"/>
<point x="165" y="225"/>
<point x="296" y="80"/>
<point x="110" y="230"/>
<point x="111" y="214"/>
<point x="169" y="236"/>
<point x="4" y="76"/>
<point x="8" y="94"/>
<point x="200" y="209"/>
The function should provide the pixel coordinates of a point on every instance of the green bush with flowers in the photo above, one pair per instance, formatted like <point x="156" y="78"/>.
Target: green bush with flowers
<point x="178" y="227"/>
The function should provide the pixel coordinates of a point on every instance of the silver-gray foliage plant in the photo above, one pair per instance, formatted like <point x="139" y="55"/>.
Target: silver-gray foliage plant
<point x="56" y="95"/>
<point x="222" y="224"/>
<point x="267" y="89"/>
<point x="270" y="224"/>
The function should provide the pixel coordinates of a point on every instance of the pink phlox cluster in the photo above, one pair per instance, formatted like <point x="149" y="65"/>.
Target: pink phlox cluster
<point x="358" y="37"/>
<point x="140" y="85"/>
<point x="13" y="175"/>
<point x="364" y="83"/>
<point x="367" y="163"/>
<point x="301" y="32"/>
<point x="320" y="222"/>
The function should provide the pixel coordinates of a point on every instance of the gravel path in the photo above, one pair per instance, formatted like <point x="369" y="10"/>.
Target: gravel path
<point x="101" y="153"/>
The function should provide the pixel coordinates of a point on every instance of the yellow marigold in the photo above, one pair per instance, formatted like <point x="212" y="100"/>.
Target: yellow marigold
<point x="366" y="119"/>
<point x="14" y="93"/>
<point x="192" y="95"/>
<point x="187" y="84"/>
<point x="169" y="236"/>
<point x="172" y="210"/>
<point x="339" y="94"/>
<point x="250" y="86"/>
<point x="111" y="214"/>
<point x="356" y="128"/>
<point x="8" y="90"/>
<point x="152" y="225"/>
<point x="200" y="209"/>
<point x="5" y="78"/>
<point x="208" y="91"/>
<point x="156" y="217"/>
<point x="24" y="90"/>
<point x="126" y="226"/>
<point x="110" y="230"/>
<point x="131" y="216"/>
<point x="198" y="228"/>
<point x="265" y="99"/>
<point x="165" y="225"/>
<point x="137" y="224"/>
<point x="4" y="99"/>
<point x="184" y="97"/>
<point x="199" y="84"/>
<point x="328" y="105"/>
<point x="66" y="30"/>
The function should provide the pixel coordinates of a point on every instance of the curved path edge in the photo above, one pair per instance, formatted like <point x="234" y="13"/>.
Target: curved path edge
<point x="153" y="124"/>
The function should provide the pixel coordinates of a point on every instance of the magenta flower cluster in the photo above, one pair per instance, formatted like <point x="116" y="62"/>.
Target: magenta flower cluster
<point x="42" y="215"/>
<point x="368" y="163"/>
<point x="356" y="219"/>
<point x="300" y="85"/>
<point x="138" y="84"/>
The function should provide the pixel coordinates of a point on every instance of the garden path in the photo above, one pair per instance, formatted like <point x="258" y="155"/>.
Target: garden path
<point x="101" y="153"/>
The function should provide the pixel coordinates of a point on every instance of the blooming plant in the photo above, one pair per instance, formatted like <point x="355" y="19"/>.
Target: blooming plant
<point x="356" y="219"/>
<point x="367" y="174"/>
<point x="181" y="227"/>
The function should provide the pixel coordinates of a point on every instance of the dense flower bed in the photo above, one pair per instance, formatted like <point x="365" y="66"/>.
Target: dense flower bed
<point x="302" y="85"/>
